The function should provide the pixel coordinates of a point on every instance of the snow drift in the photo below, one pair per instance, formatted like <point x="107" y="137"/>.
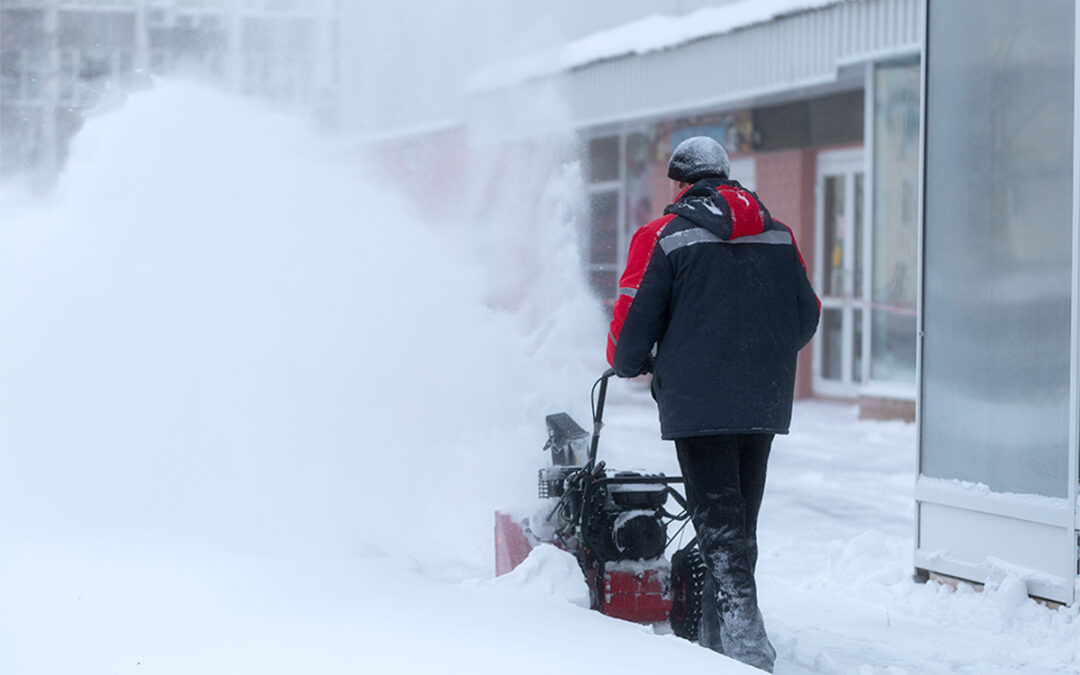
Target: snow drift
<point x="216" y="330"/>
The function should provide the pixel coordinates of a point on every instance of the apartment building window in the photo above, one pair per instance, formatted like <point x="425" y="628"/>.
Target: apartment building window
<point x="11" y="84"/>
<point x="23" y="74"/>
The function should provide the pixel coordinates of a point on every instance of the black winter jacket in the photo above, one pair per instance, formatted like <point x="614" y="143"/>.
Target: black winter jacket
<point x="719" y="288"/>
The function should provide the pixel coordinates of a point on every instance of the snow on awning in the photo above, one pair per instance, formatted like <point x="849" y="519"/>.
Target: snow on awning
<point x="653" y="33"/>
<point x="717" y="58"/>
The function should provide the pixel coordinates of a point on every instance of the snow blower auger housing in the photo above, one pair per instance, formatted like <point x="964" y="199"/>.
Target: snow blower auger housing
<point x="616" y="525"/>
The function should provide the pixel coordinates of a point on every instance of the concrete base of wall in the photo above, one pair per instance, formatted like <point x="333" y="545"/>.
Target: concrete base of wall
<point x="923" y="576"/>
<point x="875" y="408"/>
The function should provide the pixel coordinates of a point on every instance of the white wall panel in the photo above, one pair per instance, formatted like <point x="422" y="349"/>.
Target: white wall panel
<point x="986" y="547"/>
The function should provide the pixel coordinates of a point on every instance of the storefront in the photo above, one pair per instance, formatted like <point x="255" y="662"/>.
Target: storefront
<point x="834" y="154"/>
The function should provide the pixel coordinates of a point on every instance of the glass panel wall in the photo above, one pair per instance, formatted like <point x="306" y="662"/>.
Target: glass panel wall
<point x="896" y="175"/>
<point x="998" y="242"/>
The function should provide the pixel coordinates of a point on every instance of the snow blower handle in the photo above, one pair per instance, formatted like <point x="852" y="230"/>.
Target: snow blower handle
<point x="598" y="414"/>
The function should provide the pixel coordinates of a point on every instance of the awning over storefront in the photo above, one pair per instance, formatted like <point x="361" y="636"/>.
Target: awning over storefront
<point x="745" y="52"/>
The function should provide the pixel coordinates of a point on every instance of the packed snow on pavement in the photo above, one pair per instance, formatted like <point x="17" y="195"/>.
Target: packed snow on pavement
<point x="257" y="415"/>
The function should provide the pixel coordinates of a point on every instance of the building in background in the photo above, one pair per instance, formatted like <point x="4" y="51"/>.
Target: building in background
<point x="818" y="105"/>
<point x="61" y="58"/>
<point x="817" y="102"/>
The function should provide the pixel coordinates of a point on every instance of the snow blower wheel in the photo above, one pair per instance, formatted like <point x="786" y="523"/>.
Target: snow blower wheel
<point x="687" y="579"/>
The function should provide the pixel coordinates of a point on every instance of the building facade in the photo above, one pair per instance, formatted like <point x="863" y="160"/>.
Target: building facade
<point x="59" y="59"/>
<point x="818" y="105"/>
<point x="816" y="100"/>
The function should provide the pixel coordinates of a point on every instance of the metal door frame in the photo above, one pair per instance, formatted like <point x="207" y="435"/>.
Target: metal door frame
<point x="847" y="162"/>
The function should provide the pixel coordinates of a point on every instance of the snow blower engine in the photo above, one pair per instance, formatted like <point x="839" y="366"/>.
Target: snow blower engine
<point x="616" y="525"/>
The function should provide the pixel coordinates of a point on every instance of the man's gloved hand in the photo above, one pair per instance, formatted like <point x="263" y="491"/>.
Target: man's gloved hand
<point x="650" y="363"/>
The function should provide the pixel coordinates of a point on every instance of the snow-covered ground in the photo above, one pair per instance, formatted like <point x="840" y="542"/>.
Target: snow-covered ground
<point x="834" y="578"/>
<point x="257" y="416"/>
<point x="835" y="570"/>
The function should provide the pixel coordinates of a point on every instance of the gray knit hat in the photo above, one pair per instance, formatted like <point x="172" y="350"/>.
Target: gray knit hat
<point x="698" y="157"/>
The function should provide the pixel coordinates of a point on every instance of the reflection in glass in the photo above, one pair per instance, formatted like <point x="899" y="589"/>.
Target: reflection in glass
<point x="856" y="347"/>
<point x="603" y="227"/>
<point x="603" y="283"/>
<point x="998" y="242"/>
<point x="896" y="166"/>
<point x="834" y="235"/>
<point x="603" y="164"/>
<point x="831" y="333"/>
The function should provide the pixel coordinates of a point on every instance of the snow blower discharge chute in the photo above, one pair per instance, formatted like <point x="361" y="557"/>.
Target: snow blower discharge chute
<point x="616" y="525"/>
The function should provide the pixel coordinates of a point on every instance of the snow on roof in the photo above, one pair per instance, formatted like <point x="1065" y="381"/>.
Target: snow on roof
<point x="653" y="33"/>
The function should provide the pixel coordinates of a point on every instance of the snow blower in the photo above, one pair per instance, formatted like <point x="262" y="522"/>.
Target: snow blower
<point x="616" y="525"/>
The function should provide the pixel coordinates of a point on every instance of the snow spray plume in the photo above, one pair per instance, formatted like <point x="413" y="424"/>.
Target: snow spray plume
<point x="214" y="331"/>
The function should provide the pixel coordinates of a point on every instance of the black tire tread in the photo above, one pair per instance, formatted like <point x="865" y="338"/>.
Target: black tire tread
<point x="688" y="572"/>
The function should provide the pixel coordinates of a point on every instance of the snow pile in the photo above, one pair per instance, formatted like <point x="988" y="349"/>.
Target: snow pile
<point x="217" y="332"/>
<point x="175" y="616"/>
<point x="646" y="35"/>
<point x="870" y="558"/>
<point x="548" y="572"/>
<point x="833" y="578"/>
<point x="834" y="575"/>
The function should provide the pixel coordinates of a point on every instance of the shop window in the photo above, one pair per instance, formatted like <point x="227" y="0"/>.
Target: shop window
<point x="95" y="64"/>
<point x="896" y="164"/>
<point x="831" y="334"/>
<point x="604" y="218"/>
<point x="603" y="162"/>
<point x="603" y="239"/>
<point x="603" y="242"/>
<point x="640" y="168"/>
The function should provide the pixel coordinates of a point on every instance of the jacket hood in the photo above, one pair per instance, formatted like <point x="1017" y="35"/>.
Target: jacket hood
<point x="724" y="207"/>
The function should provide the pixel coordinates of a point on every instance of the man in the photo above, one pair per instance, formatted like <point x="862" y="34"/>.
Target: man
<point x="716" y="303"/>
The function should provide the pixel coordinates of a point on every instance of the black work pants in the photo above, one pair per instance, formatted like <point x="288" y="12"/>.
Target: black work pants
<point x="725" y="480"/>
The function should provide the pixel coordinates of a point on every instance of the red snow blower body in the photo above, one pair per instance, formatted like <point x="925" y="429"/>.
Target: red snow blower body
<point x="616" y="525"/>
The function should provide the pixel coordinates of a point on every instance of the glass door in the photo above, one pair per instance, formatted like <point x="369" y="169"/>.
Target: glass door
<point x="839" y="366"/>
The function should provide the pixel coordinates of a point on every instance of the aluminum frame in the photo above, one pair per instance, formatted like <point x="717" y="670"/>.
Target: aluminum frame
<point x="848" y="162"/>
<point x="1074" y="374"/>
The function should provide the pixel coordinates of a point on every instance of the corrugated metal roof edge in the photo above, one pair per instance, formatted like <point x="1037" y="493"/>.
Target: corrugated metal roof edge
<point x="634" y="38"/>
<point x="768" y="95"/>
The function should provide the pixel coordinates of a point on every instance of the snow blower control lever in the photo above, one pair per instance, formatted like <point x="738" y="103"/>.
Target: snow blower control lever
<point x="616" y="525"/>
<point x="598" y="414"/>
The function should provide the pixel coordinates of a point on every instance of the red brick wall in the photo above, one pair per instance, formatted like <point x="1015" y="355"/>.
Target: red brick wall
<point x="785" y="182"/>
